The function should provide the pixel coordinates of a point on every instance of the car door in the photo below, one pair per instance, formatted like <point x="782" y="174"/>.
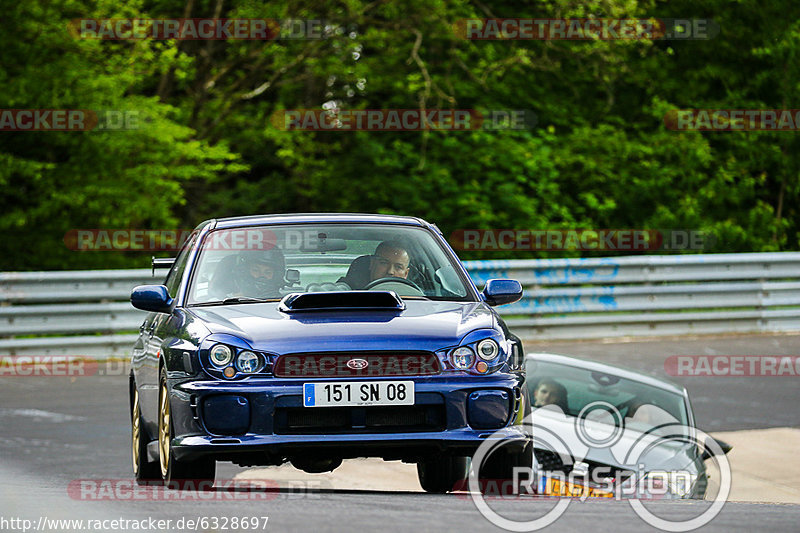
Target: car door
<point x="153" y="336"/>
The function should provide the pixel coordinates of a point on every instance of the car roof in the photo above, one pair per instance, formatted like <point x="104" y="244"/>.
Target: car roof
<point x="299" y="218"/>
<point x="608" y="369"/>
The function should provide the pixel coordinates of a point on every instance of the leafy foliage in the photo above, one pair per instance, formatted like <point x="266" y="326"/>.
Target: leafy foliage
<point x="599" y="155"/>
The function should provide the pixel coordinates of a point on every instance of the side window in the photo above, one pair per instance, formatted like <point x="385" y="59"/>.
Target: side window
<point x="176" y="272"/>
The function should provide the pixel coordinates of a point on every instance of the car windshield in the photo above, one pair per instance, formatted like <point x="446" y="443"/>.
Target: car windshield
<point x="571" y="389"/>
<point x="268" y="262"/>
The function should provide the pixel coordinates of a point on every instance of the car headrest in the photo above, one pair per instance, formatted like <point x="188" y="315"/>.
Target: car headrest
<point x="358" y="276"/>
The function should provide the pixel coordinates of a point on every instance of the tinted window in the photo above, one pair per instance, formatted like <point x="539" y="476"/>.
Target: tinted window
<point x="176" y="272"/>
<point x="571" y="389"/>
<point x="272" y="261"/>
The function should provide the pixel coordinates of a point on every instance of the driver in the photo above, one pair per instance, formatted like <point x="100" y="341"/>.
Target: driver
<point x="390" y="260"/>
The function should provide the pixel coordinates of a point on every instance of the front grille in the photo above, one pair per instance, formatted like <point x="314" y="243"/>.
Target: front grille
<point x="294" y="420"/>
<point x="399" y="417"/>
<point x="317" y="419"/>
<point x="356" y="364"/>
<point x="550" y="461"/>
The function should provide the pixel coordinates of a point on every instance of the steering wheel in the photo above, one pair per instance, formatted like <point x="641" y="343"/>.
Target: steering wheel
<point x="404" y="281"/>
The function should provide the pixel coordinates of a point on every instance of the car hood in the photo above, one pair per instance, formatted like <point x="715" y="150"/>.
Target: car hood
<point x="422" y="325"/>
<point x="628" y="448"/>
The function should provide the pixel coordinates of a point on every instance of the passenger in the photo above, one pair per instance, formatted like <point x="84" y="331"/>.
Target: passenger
<point x="262" y="273"/>
<point x="253" y="274"/>
<point x="550" y="392"/>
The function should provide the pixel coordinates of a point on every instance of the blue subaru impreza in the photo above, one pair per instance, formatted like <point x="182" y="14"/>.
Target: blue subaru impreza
<point x="321" y="337"/>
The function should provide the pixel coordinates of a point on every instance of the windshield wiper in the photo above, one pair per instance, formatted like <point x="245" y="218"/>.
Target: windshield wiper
<point x="236" y="300"/>
<point x="246" y="300"/>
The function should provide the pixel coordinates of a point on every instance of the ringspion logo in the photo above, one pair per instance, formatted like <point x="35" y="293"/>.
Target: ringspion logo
<point x="571" y="439"/>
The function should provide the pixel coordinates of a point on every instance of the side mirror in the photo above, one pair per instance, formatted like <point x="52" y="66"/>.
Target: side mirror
<point x="292" y="276"/>
<point x="502" y="291"/>
<point x="161" y="262"/>
<point x="707" y="452"/>
<point x="152" y="298"/>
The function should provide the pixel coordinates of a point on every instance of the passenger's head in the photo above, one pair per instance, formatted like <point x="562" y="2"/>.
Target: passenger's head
<point x="261" y="271"/>
<point x="390" y="260"/>
<point x="550" y="392"/>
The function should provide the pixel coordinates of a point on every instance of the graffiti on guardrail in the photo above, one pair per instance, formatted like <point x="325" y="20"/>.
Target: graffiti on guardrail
<point x="87" y="313"/>
<point x="562" y="304"/>
<point x="551" y="275"/>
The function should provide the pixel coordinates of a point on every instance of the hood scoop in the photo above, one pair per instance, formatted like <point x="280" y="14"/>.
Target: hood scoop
<point x="331" y="301"/>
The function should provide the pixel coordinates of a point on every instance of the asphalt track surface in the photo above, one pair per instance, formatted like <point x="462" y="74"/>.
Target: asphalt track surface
<point x="56" y="430"/>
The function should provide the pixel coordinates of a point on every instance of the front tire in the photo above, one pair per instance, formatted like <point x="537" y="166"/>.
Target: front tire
<point x="144" y="471"/>
<point x="442" y="474"/>
<point x="498" y="468"/>
<point x="175" y="472"/>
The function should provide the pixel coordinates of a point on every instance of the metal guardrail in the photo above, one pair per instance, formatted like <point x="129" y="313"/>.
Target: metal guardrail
<point x="87" y="313"/>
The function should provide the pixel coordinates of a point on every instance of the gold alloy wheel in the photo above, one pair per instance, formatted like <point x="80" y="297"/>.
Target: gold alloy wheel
<point x="135" y="432"/>
<point x="164" y="430"/>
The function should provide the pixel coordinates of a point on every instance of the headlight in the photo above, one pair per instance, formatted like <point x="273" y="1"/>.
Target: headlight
<point x="488" y="350"/>
<point x="462" y="358"/>
<point x="247" y="362"/>
<point x="681" y="483"/>
<point x="220" y="355"/>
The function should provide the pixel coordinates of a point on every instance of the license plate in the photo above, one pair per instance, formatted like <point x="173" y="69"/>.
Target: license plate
<point x="358" y="393"/>
<point x="558" y="487"/>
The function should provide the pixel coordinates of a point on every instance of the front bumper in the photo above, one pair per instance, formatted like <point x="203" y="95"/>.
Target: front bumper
<point x="451" y="415"/>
